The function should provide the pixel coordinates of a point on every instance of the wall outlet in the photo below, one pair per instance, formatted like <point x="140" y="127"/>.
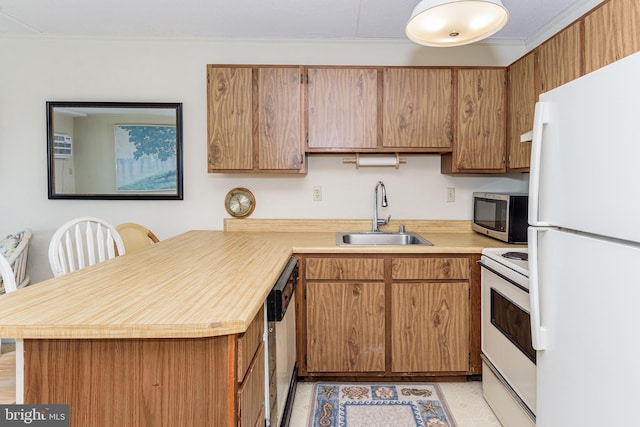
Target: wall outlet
<point x="317" y="193"/>
<point x="451" y="195"/>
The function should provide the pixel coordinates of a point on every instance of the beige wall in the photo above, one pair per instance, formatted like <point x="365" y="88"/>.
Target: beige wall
<point x="36" y="70"/>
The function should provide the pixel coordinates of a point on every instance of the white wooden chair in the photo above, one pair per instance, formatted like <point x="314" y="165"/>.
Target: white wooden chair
<point x="13" y="272"/>
<point x="83" y="242"/>
<point x="8" y="277"/>
<point x="7" y="360"/>
<point x="136" y="236"/>
<point x="18" y="258"/>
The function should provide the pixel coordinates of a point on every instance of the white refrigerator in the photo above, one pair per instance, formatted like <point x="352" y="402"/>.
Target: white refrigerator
<point x="584" y="249"/>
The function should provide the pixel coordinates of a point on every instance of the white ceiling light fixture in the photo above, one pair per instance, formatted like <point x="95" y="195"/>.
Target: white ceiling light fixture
<point x="455" y="22"/>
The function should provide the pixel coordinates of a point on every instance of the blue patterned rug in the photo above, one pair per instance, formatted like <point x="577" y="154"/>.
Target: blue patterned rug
<point x="379" y="405"/>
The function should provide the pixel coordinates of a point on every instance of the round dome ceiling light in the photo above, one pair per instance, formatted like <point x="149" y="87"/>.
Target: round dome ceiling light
<point x="442" y="23"/>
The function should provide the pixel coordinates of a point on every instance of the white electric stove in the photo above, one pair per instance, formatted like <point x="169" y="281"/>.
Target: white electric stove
<point x="509" y="359"/>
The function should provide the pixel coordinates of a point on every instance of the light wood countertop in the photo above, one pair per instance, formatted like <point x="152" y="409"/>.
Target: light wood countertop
<point x="197" y="284"/>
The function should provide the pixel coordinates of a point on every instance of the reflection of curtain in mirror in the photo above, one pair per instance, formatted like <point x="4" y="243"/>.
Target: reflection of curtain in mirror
<point x="145" y="157"/>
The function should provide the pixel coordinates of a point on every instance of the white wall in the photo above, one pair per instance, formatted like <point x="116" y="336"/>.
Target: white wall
<point x="36" y="70"/>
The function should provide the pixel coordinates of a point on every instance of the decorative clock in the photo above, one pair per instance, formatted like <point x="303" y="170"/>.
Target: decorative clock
<point x="240" y="202"/>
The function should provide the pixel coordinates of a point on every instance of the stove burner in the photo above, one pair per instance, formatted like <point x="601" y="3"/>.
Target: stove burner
<point x="521" y="256"/>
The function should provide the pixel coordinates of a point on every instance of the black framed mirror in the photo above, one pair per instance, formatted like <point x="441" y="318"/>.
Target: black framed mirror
<point x="114" y="150"/>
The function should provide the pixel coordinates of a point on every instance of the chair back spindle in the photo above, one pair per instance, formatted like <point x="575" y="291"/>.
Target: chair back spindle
<point x="81" y="243"/>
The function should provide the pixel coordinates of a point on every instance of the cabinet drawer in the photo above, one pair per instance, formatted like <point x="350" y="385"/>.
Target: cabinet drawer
<point x="251" y="393"/>
<point x="248" y="343"/>
<point x="345" y="268"/>
<point x="430" y="268"/>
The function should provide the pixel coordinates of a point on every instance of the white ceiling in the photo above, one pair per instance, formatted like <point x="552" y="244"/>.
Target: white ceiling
<point x="249" y="19"/>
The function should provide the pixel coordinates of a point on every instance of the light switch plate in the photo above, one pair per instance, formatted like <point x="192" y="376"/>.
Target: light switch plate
<point x="451" y="195"/>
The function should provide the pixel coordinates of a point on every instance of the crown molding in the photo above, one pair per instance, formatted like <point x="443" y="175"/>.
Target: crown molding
<point x="561" y="21"/>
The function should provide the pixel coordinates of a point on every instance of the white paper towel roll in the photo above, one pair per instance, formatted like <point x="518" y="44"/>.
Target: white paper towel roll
<point x="377" y="161"/>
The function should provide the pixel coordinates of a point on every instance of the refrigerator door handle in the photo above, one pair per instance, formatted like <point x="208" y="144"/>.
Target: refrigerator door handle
<point x="540" y="118"/>
<point x="538" y="333"/>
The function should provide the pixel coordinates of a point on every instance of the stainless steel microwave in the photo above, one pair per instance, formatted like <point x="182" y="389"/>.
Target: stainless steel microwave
<point x="502" y="216"/>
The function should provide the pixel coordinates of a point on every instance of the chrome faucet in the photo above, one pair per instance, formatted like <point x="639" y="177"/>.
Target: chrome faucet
<point x="378" y="222"/>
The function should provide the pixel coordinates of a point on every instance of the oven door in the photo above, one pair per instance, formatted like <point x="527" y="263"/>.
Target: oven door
<point x="506" y="329"/>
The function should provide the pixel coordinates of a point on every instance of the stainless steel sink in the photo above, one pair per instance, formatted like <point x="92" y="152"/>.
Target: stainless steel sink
<point x="380" y="239"/>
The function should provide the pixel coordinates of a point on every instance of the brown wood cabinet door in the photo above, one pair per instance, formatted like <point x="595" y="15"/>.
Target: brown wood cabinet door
<point x="480" y="144"/>
<point x="343" y="108"/>
<point x="248" y="344"/>
<point x="522" y="100"/>
<point x="230" y="118"/>
<point x="611" y="33"/>
<point x="280" y="118"/>
<point x="430" y="327"/>
<point x="417" y="108"/>
<point x="251" y="392"/>
<point x="560" y="59"/>
<point x="134" y="382"/>
<point x="345" y="327"/>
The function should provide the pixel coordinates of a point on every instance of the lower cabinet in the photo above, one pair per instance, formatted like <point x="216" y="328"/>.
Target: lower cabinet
<point x="388" y="316"/>
<point x="251" y="373"/>
<point x="165" y="382"/>
<point x="251" y="393"/>
<point x="345" y="312"/>
<point x="345" y="327"/>
<point x="430" y="327"/>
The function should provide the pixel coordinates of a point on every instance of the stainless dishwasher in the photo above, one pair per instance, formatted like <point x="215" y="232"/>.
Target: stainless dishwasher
<point x="281" y="369"/>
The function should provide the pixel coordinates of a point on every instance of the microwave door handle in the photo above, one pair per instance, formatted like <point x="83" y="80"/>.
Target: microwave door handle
<point x="540" y="118"/>
<point x="538" y="333"/>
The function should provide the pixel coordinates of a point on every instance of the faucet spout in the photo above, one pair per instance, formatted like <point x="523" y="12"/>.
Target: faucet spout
<point x="376" y="223"/>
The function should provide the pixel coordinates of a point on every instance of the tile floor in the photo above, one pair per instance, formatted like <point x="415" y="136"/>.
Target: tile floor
<point x="464" y="399"/>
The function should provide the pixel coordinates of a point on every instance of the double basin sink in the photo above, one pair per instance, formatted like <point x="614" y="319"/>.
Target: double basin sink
<point x="380" y="239"/>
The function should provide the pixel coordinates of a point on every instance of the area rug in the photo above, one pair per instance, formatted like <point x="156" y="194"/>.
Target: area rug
<point x="379" y="405"/>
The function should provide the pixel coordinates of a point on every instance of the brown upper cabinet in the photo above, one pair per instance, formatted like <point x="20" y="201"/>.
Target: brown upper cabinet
<point x="375" y="109"/>
<point x="263" y="118"/>
<point x="417" y="108"/>
<point x="521" y="94"/>
<point x="554" y="63"/>
<point x="560" y="58"/>
<point x="479" y="145"/>
<point x="255" y="119"/>
<point x="342" y="109"/>
<point x="229" y="118"/>
<point x="611" y="33"/>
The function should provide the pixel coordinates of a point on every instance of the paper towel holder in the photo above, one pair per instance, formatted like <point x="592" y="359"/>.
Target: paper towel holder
<point x="389" y="160"/>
